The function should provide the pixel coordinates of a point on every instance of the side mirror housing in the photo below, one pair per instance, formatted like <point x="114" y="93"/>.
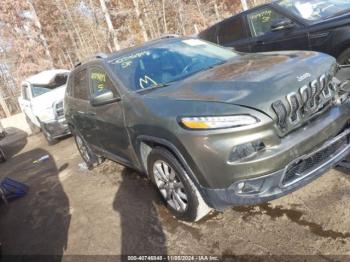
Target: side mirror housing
<point x="105" y="98"/>
<point x="282" y="25"/>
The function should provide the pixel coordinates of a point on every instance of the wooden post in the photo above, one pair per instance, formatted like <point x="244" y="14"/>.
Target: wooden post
<point x="4" y="106"/>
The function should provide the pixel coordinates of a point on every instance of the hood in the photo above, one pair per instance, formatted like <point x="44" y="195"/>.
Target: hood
<point x="46" y="100"/>
<point x="252" y="80"/>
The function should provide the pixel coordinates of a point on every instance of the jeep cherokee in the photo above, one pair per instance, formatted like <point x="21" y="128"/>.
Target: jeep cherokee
<point x="211" y="127"/>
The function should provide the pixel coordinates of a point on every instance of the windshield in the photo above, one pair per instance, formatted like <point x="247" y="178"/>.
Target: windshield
<point x="168" y="62"/>
<point x="58" y="81"/>
<point x="314" y="10"/>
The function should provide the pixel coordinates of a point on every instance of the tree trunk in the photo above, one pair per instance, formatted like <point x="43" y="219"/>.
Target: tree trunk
<point x="141" y="23"/>
<point x="41" y="35"/>
<point x="110" y="25"/>
<point x="244" y="4"/>
<point x="164" y="18"/>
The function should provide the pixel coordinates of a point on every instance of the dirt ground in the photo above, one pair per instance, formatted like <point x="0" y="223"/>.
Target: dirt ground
<point x="114" y="210"/>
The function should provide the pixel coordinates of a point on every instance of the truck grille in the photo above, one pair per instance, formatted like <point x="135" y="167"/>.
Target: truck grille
<point x="304" y="166"/>
<point x="301" y="105"/>
<point x="59" y="110"/>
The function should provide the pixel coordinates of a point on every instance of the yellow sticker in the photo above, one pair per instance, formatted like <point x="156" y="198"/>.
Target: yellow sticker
<point x="99" y="77"/>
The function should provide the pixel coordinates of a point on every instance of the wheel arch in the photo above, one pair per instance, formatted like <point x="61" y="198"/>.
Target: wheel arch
<point x="147" y="143"/>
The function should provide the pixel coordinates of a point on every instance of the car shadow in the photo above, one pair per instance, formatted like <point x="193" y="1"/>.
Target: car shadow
<point x="141" y="229"/>
<point x="38" y="223"/>
<point x="14" y="141"/>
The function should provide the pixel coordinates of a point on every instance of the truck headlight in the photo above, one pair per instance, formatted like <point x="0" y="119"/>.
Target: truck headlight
<point x="217" y="122"/>
<point x="46" y="115"/>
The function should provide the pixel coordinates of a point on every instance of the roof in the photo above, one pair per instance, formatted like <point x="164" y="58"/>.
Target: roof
<point x="45" y="77"/>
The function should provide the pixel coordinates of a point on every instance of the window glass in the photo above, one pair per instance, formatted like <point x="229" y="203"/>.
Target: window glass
<point x="231" y="30"/>
<point x="100" y="82"/>
<point x="316" y="9"/>
<point x="260" y="22"/>
<point x="167" y="62"/>
<point x="81" y="85"/>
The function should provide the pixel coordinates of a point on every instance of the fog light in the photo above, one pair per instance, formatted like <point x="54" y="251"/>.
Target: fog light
<point x="245" y="150"/>
<point x="249" y="187"/>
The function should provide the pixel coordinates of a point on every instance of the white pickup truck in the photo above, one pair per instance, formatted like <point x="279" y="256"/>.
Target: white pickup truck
<point x="41" y="101"/>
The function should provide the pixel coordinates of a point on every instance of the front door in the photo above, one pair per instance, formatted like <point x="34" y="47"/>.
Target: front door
<point x="108" y="119"/>
<point x="263" y="38"/>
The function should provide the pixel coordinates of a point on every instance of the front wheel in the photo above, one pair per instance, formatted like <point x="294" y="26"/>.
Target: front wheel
<point x="89" y="157"/>
<point x="344" y="58"/>
<point x="50" y="140"/>
<point x="182" y="197"/>
<point x="33" y="128"/>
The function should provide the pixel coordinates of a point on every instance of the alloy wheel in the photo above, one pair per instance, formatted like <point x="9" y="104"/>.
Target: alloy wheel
<point x="170" y="186"/>
<point x="83" y="149"/>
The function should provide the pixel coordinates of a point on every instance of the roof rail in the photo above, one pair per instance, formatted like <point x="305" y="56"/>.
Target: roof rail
<point x="167" y="36"/>
<point x="77" y="64"/>
<point x="101" y="55"/>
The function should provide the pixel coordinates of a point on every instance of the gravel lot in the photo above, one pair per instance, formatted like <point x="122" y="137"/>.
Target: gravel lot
<point x="114" y="210"/>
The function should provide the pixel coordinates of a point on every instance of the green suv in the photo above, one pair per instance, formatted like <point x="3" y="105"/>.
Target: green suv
<point x="211" y="127"/>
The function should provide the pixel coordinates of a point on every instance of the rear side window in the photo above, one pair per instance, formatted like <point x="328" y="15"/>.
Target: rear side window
<point x="81" y="85"/>
<point x="25" y="94"/>
<point x="231" y="30"/>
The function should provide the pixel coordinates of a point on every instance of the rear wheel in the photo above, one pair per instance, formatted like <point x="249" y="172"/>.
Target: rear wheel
<point x="182" y="197"/>
<point x="89" y="157"/>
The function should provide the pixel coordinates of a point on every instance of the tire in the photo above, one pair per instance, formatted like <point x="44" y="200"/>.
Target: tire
<point x="181" y="196"/>
<point x="344" y="57"/>
<point x="89" y="157"/>
<point x="50" y="140"/>
<point x="2" y="156"/>
<point x="33" y="128"/>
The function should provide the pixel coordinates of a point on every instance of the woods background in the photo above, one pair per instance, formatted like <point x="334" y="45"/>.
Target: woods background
<point x="41" y="34"/>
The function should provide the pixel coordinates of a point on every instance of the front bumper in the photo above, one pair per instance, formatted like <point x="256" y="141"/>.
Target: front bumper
<point x="57" y="128"/>
<point x="295" y="175"/>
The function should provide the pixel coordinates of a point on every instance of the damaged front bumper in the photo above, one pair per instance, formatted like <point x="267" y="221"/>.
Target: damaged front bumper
<point x="57" y="128"/>
<point x="295" y="175"/>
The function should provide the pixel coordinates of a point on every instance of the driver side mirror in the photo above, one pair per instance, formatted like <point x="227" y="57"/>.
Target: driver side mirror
<point x="105" y="98"/>
<point x="282" y="25"/>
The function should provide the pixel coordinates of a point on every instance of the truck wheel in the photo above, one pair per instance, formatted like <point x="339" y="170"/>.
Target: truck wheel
<point x="2" y="156"/>
<point x="180" y="194"/>
<point x="89" y="157"/>
<point x="50" y="140"/>
<point x="344" y="58"/>
<point x="33" y="128"/>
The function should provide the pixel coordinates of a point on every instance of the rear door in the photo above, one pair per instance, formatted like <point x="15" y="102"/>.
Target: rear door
<point x="233" y="33"/>
<point x="108" y="128"/>
<point x="260" y="22"/>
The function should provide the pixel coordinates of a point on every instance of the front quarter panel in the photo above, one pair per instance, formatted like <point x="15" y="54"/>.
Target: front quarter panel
<point x="159" y="118"/>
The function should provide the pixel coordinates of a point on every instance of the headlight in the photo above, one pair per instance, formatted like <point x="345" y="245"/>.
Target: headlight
<point x="217" y="122"/>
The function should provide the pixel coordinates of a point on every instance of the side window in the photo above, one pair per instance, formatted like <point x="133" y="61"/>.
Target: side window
<point x="260" y="22"/>
<point x="231" y="30"/>
<point x="81" y="85"/>
<point x="101" y="83"/>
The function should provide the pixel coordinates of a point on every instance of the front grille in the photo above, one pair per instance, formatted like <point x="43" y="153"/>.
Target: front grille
<point x="59" y="110"/>
<point x="309" y="100"/>
<point x="303" y="167"/>
<point x="281" y="113"/>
